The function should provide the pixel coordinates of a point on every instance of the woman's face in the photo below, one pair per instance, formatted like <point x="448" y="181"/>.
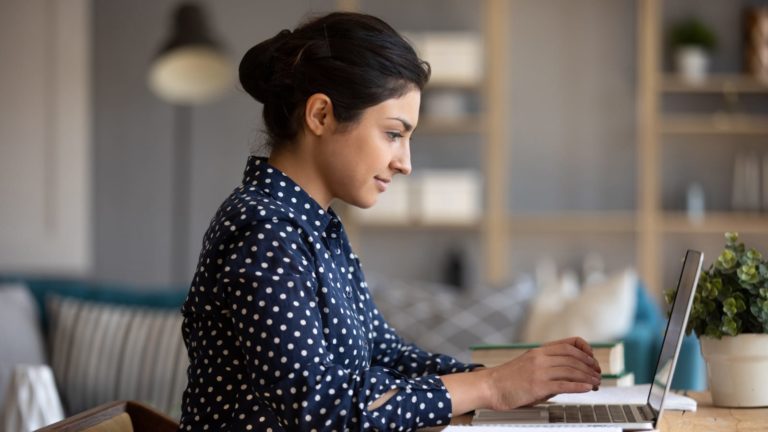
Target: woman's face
<point x="358" y="162"/>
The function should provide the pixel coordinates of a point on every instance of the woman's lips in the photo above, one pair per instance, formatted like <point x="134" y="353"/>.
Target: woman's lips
<point x="381" y="183"/>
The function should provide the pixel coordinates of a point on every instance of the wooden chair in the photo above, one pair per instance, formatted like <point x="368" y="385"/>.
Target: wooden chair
<point x="119" y="416"/>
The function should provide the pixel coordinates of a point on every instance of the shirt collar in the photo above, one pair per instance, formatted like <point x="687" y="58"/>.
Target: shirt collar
<point x="275" y="183"/>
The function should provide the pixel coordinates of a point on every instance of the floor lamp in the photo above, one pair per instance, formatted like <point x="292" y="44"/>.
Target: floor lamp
<point x="190" y="69"/>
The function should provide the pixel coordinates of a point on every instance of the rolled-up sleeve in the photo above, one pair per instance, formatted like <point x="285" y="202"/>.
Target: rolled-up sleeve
<point x="271" y="289"/>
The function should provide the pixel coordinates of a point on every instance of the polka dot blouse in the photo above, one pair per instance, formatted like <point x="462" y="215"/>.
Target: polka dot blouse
<point x="281" y="330"/>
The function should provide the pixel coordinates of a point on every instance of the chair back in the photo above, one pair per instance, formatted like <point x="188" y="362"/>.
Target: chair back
<point x="119" y="416"/>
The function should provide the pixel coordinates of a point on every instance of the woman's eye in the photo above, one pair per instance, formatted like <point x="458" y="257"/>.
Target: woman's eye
<point x="394" y="135"/>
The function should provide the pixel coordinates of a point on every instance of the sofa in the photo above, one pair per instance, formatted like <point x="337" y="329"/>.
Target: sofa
<point x="108" y="342"/>
<point x="103" y="341"/>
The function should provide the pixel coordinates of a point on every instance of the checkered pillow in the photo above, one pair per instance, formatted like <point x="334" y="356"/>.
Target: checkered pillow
<point x="438" y="318"/>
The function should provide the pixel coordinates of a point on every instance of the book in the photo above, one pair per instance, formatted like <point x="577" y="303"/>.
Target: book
<point x="610" y="355"/>
<point x="624" y="379"/>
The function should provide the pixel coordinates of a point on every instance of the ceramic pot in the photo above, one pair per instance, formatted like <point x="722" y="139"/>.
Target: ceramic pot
<point x="692" y="63"/>
<point x="737" y="369"/>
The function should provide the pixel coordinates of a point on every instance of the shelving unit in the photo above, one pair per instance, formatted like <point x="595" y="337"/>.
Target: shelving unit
<point x="656" y="127"/>
<point x="715" y="83"/>
<point x="674" y="222"/>
<point x="573" y="222"/>
<point x="643" y="228"/>
<point x="715" y="124"/>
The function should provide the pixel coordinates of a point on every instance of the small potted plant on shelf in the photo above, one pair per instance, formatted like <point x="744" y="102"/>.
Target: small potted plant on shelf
<point x="692" y="43"/>
<point x="730" y="317"/>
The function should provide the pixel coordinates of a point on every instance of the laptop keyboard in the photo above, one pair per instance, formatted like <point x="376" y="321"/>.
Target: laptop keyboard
<point x="599" y="414"/>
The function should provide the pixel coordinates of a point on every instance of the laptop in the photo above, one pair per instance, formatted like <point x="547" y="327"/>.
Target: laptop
<point x="639" y="417"/>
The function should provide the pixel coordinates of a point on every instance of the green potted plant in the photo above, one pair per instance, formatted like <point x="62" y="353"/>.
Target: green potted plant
<point x="692" y="43"/>
<point x="730" y="317"/>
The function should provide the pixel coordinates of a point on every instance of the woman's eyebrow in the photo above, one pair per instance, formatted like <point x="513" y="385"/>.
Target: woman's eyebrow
<point x="407" y="125"/>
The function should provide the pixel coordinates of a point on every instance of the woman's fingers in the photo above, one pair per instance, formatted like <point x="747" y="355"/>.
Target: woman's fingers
<point x="572" y="374"/>
<point x="571" y="353"/>
<point x="575" y="341"/>
<point x="571" y="387"/>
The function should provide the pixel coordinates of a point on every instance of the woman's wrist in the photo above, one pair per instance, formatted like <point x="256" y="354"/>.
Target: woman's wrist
<point x="485" y="383"/>
<point x="469" y="390"/>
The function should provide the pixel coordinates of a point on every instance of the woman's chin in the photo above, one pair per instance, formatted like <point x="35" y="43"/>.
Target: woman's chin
<point x="364" y="202"/>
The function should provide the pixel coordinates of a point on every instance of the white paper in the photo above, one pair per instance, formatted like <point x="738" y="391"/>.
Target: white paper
<point x="529" y="428"/>
<point x="635" y="395"/>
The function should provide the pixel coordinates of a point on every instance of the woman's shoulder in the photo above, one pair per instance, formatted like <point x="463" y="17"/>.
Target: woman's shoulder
<point x="250" y="208"/>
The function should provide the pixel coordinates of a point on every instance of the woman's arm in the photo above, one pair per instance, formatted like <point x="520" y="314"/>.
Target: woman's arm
<point x="564" y="366"/>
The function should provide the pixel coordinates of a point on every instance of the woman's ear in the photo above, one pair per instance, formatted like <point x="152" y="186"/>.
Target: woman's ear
<point x="318" y="114"/>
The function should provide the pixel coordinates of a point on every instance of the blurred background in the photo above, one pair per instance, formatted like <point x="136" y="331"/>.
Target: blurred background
<point x="567" y="154"/>
<point x="555" y="131"/>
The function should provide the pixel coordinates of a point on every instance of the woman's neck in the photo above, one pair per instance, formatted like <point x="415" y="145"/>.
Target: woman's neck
<point x="300" y="167"/>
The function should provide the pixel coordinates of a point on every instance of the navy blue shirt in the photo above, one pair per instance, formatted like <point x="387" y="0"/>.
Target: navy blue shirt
<point x="281" y="330"/>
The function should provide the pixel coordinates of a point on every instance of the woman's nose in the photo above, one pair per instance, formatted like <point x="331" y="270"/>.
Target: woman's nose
<point x="402" y="161"/>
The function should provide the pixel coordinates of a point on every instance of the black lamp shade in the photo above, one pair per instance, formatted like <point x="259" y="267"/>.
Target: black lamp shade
<point x="189" y="28"/>
<point x="191" y="67"/>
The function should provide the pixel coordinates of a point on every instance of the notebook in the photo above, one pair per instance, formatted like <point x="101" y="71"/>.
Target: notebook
<point x="639" y="417"/>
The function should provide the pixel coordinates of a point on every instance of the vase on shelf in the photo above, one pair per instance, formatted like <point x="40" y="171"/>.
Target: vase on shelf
<point x="692" y="64"/>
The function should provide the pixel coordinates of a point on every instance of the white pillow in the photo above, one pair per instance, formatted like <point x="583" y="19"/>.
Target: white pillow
<point x="21" y="338"/>
<point x="33" y="401"/>
<point x="602" y="312"/>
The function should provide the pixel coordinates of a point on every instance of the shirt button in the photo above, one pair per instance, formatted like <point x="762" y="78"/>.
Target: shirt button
<point x="348" y="292"/>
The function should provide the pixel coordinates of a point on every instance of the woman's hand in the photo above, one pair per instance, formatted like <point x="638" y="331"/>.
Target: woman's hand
<point x="564" y="366"/>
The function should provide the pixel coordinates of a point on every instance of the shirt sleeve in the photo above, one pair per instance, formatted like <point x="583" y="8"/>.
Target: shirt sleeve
<point x="391" y="351"/>
<point x="270" y="285"/>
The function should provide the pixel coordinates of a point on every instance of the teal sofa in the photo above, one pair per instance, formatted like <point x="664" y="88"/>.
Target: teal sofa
<point x="642" y="343"/>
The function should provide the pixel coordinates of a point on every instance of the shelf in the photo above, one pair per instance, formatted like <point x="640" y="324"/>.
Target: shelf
<point x="462" y="125"/>
<point x="715" y="84"/>
<point x="715" y="124"/>
<point x="721" y="222"/>
<point x="418" y="225"/>
<point x="592" y="222"/>
<point x="575" y="222"/>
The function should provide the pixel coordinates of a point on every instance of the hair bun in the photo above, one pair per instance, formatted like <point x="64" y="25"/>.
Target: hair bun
<point x="257" y="66"/>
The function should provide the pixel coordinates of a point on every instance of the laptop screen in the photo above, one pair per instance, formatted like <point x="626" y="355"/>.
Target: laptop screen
<point x="673" y="336"/>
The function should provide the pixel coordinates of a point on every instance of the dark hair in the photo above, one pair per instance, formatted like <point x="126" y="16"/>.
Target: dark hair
<point x="357" y="60"/>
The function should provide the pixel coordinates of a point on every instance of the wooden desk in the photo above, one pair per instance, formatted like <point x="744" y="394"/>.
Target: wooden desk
<point x="711" y="418"/>
<point x="707" y="418"/>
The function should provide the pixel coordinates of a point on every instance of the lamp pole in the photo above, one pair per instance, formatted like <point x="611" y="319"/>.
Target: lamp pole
<point x="190" y="69"/>
<point x="180" y="214"/>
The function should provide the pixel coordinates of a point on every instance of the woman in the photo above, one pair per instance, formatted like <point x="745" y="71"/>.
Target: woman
<point x="279" y="324"/>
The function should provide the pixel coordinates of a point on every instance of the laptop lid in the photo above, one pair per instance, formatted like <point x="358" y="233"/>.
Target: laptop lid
<point x="673" y="336"/>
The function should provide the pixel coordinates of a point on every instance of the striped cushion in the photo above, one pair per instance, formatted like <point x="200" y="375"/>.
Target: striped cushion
<point x="102" y="352"/>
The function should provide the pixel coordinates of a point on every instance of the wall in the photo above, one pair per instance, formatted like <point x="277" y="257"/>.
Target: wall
<point x="45" y="148"/>
<point x="572" y="104"/>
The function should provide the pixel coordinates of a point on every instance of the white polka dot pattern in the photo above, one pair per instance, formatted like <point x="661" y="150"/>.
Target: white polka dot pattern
<point x="281" y="330"/>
